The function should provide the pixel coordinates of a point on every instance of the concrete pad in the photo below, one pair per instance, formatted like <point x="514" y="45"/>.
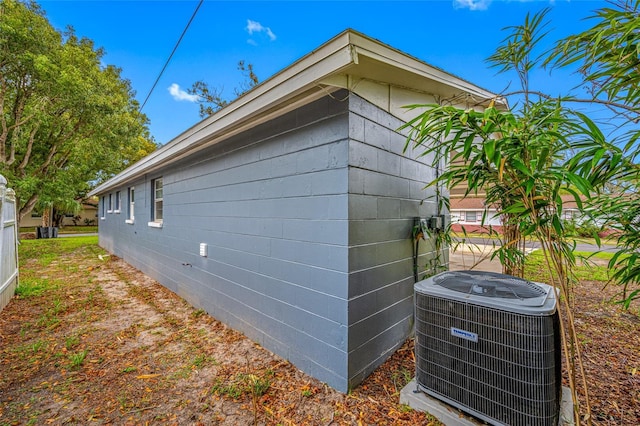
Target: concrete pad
<point x="451" y="416"/>
<point x="447" y="414"/>
<point x="476" y="257"/>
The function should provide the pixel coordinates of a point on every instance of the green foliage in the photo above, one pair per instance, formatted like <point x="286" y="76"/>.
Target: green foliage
<point x="607" y="56"/>
<point x="584" y="229"/>
<point x="518" y="159"/>
<point x="69" y="122"/>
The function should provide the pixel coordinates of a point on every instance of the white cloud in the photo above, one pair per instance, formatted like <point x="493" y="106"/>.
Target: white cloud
<point x="180" y="95"/>
<point x="256" y="27"/>
<point x="253" y="26"/>
<point x="472" y="4"/>
<point x="271" y="35"/>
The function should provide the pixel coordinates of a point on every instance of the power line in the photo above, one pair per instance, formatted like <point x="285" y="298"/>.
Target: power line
<point x="171" y="55"/>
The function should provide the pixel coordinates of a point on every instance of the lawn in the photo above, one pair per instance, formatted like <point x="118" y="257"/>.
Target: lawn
<point x="90" y="339"/>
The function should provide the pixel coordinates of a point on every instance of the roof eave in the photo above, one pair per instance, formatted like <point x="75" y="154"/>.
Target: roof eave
<point x="297" y="84"/>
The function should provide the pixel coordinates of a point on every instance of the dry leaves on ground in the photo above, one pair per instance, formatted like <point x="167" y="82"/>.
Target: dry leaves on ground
<point x="106" y="344"/>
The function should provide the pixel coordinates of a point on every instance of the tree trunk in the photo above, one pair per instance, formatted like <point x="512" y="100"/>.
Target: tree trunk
<point x="46" y="217"/>
<point x="514" y="261"/>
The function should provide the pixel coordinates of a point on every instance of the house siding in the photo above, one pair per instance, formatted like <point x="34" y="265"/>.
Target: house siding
<point x="271" y="204"/>
<point x="307" y="219"/>
<point x="386" y="193"/>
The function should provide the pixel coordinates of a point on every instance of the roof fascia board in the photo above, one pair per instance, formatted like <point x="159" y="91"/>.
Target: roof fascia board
<point x="307" y="72"/>
<point x="313" y="70"/>
<point x="244" y="125"/>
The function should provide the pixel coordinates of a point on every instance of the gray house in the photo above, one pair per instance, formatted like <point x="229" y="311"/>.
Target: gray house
<point x="288" y="214"/>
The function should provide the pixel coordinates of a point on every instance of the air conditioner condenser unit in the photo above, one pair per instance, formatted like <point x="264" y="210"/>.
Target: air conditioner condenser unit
<point x="489" y="344"/>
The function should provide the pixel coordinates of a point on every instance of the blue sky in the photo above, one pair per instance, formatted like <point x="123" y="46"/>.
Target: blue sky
<point x="138" y="36"/>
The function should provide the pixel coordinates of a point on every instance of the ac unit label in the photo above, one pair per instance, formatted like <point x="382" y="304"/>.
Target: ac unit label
<point x="463" y="334"/>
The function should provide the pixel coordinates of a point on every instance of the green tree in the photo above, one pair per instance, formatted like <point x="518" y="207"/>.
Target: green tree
<point x="517" y="157"/>
<point x="607" y="57"/>
<point x="211" y="99"/>
<point x="66" y="121"/>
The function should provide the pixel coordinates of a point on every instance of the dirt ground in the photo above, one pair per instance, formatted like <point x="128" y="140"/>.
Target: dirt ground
<point x="105" y="344"/>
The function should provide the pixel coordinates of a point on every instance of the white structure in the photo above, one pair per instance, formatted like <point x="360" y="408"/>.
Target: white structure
<point x="8" y="244"/>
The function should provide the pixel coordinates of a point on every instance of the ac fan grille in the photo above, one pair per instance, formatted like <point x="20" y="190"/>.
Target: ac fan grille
<point x="510" y="376"/>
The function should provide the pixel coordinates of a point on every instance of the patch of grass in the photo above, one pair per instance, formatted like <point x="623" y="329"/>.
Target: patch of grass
<point x="200" y="360"/>
<point x="258" y="385"/>
<point x="231" y="390"/>
<point x="32" y="287"/>
<point x="77" y="359"/>
<point x="594" y="255"/>
<point x="536" y="269"/>
<point x="198" y="313"/>
<point x="58" y="307"/>
<point x="97" y="298"/>
<point x="29" y="349"/>
<point x="400" y="378"/>
<point x="71" y="342"/>
<point x="36" y="346"/>
<point x="129" y="369"/>
<point x="244" y="384"/>
<point x="77" y="229"/>
<point x="404" y="408"/>
<point x="47" y="321"/>
<point x="47" y="250"/>
<point x="197" y="362"/>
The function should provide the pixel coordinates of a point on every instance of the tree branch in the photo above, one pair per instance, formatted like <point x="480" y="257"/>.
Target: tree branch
<point x="27" y="154"/>
<point x="27" y="207"/>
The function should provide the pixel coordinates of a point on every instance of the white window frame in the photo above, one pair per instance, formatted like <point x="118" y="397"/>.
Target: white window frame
<point x="118" y="202"/>
<point x="110" y="205"/>
<point x="466" y="216"/>
<point x="103" y="207"/>
<point x="155" y="200"/>
<point x="131" y="198"/>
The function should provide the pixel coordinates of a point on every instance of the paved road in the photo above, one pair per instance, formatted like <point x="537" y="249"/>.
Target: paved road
<point x="534" y="245"/>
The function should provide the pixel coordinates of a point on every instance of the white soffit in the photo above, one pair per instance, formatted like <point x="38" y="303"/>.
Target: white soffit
<point x="311" y="77"/>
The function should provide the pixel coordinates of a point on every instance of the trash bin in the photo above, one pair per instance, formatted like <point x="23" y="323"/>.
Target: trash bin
<point x="46" y="232"/>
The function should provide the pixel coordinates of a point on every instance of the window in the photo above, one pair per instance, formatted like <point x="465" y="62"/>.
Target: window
<point x="156" y="207"/>
<point x="130" y="203"/>
<point x="470" y="216"/>
<point x="118" y="202"/>
<point x="104" y="203"/>
<point x="110" y="207"/>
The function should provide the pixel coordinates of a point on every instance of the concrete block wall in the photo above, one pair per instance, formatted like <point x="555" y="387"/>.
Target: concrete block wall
<point x="272" y="206"/>
<point x="386" y="191"/>
<point x="307" y="219"/>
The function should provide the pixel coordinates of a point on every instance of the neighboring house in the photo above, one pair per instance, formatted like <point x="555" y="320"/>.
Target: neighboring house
<point x="472" y="213"/>
<point x="288" y="214"/>
<point x="88" y="215"/>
